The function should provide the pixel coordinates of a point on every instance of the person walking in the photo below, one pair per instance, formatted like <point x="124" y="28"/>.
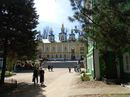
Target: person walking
<point x="51" y="67"/>
<point x="75" y="68"/>
<point x="42" y="76"/>
<point x="69" y="69"/>
<point x="35" y="75"/>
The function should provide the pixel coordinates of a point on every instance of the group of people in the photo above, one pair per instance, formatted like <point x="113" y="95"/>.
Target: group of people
<point x="76" y="68"/>
<point x="38" y="72"/>
<point x="50" y="67"/>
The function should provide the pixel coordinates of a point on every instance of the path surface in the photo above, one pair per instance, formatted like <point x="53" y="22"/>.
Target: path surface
<point x="61" y="83"/>
<point x="57" y="83"/>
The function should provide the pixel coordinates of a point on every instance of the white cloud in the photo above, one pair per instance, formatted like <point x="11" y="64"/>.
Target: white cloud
<point x="46" y="10"/>
<point x="53" y="13"/>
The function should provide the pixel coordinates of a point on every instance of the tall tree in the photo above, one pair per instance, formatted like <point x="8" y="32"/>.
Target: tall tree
<point x="107" y="22"/>
<point x="18" y="20"/>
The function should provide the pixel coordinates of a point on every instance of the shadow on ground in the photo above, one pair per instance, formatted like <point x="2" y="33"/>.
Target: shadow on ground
<point x="26" y="90"/>
<point x="102" y="95"/>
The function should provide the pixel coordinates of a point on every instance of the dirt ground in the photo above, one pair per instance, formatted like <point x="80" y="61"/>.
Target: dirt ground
<point x="61" y="83"/>
<point x="97" y="85"/>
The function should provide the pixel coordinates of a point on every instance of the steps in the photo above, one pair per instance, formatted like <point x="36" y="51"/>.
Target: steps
<point x="60" y="64"/>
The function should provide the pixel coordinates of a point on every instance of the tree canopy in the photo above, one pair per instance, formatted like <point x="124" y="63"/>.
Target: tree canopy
<point x="18" y="20"/>
<point x="105" y="21"/>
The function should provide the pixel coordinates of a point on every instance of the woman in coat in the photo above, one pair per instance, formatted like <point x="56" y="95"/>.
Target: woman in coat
<point x="41" y="76"/>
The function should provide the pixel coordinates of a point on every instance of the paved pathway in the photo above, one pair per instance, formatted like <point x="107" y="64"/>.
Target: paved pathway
<point x="59" y="83"/>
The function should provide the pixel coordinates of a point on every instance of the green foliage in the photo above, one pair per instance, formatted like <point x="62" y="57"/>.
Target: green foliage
<point x="82" y="71"/>
<point x="17" y="26"/>
<point x="18" y="20"/>
<point x="112" y="31"/>
<point x="107" y="23"/>
<point x="85" y="77"/>
<point x="109" y="27"/>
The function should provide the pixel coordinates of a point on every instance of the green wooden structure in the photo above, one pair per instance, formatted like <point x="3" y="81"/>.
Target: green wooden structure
<point x="96" y="66"/>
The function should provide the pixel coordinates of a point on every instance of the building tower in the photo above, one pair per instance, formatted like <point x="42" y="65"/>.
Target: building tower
<point x="81" y="35"/>
<point x="51" y="36"/>
<point x="39" y="36"/>
<point x="72" y="36"/>
<point x="63" y="34"/>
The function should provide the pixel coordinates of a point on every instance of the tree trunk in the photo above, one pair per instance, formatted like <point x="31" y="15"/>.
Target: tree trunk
<point x="11" y="60"/>
<point x="114" y="62"/>
<point x="4" y="62"/>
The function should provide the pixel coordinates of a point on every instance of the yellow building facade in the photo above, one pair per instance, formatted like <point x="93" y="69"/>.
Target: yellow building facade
<point x="63" y="50"/>
<point x="67" y="48"/>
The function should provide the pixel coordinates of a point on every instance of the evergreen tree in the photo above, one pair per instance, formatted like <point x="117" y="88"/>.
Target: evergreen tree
<point x="18" y="20"/>
<point x="107" y="22"/>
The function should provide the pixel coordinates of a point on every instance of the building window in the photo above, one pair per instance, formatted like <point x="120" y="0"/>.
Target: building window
<point x="81" y="52"/>
<point x="59" y="49"/>
<point x="72" y="51"/>
<point x="65" y="48"/>
<point x="62" y="38"/>
<point x="47" y="49"/>
<point x="53" y="49"/>
<point x="81" y="48"/>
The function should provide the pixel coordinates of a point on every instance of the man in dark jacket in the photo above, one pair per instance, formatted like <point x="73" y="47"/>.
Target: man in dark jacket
<point x="35" y="75"/>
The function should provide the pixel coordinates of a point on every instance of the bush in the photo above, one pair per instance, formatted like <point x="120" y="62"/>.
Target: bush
<point x="82" y="71"/>
<point x="85" y="77"/>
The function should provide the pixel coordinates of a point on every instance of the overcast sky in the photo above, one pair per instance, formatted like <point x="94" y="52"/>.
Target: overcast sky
<point x="53" y="13"/>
